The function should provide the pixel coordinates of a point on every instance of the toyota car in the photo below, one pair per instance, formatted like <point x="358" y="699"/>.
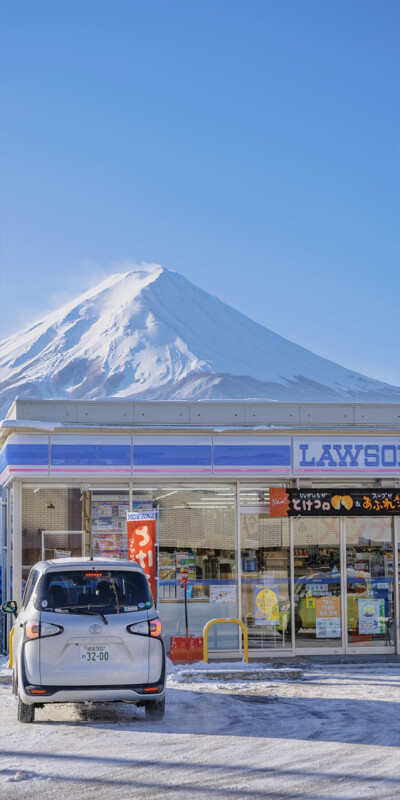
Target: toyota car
<point x="87" y="630"/>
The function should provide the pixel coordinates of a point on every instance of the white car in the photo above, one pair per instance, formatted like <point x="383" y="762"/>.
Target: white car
<point x="87" y="630"/>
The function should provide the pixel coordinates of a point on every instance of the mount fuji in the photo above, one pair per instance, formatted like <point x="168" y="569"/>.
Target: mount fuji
<point x="151" y="334"/>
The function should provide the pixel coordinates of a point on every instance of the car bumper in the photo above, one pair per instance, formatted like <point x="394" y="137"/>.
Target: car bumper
<point x="91" y="694"/>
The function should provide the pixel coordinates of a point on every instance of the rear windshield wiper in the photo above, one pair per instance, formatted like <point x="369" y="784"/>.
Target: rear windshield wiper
<point x="84" y="610"/>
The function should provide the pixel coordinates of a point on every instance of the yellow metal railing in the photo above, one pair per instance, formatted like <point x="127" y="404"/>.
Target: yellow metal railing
<point x="229" y="621"/>
<point x="10" y="649"/>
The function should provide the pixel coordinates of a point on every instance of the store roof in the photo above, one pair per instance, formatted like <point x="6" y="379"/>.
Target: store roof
<point x="213" y="415"/>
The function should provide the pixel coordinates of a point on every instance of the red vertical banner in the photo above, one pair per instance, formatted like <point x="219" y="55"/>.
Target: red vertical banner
<point x="142" y="545"/>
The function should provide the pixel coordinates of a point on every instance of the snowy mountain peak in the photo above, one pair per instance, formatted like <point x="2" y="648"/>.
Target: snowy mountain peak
<point x="149" y="332"/>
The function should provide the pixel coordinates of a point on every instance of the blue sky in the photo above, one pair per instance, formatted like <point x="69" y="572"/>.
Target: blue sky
<point x="252" y="146"/>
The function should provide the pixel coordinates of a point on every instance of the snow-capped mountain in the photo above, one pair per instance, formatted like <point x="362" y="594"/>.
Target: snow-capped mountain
<point x="150" y="333"/>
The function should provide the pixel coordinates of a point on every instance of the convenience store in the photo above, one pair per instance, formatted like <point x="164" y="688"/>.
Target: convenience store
<point x="284" y="515"/>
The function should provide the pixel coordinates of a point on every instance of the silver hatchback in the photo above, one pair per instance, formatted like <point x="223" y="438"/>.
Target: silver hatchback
<point x="87" y="630"/>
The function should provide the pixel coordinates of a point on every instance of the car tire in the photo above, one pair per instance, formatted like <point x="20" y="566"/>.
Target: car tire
<point x="14" y="684"/>
<point x="155" y="709"/>
<point x="26" y="711"/>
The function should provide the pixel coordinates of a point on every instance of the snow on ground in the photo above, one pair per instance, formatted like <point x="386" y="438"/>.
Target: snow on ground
<point x="335" y="735"/>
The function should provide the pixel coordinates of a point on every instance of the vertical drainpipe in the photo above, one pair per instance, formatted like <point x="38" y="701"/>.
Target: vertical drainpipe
<point x="10" y="505"/>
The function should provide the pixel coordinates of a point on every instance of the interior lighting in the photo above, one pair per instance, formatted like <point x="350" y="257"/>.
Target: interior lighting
<point x="165" y="495"/>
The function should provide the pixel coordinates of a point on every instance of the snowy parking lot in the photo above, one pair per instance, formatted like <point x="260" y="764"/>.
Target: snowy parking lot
<point x="335" y="734"/>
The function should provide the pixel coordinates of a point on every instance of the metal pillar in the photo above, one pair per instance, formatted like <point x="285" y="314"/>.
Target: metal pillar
<point x="396" y="586"/>
<point x="17" y="544"/>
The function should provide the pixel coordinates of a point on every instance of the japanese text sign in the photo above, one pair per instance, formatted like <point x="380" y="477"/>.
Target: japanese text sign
<point x="334" y="502"/>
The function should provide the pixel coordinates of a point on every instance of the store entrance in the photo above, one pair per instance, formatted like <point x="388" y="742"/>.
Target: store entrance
<point x="370" y="583"/>
<point x="318" y="585"/>
<point x="265" y="579"/>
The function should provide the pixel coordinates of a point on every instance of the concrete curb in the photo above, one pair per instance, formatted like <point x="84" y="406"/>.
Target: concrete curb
<point x="289" y="674"/>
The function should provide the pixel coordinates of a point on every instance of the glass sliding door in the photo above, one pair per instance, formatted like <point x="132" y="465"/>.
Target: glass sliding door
<point x="370" y="582"/>
<point x="317" y="582"/>
<point x="265" y="562"/>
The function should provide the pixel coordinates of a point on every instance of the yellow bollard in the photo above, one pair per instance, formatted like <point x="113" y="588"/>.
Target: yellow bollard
<point x="222" y="619"/>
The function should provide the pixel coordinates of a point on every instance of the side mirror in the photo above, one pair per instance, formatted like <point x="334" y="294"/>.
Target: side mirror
<point x="10" y="607"/>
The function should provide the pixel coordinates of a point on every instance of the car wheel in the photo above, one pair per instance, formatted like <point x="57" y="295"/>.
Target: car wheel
<point x="155" y="709"/>
<point x="26" y="711"/>
<point x="14" y="683"/>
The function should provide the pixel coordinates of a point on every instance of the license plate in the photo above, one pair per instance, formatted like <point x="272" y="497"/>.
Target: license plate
<point x="94" y="653"/>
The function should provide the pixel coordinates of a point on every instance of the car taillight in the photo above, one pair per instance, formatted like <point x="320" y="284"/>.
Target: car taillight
<point x="49" y="629"/>
<point x="155" y="627"/>
<point x="32" y="630"/>
<point x="145" y="628"/>
<point x="39" y="630"/>
<point x="139" y="627"/>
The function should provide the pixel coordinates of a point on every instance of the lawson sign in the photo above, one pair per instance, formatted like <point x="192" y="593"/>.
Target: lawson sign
<point x="335" y="455"/>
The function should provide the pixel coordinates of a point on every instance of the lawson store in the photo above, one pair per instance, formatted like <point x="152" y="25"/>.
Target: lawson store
<point x="284" y="515"/>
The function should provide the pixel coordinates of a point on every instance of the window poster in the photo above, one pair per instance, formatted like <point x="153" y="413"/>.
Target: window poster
<point x="62" y="553"/>
<point x="371" y="615"/>
<point x="327" y="617"/>
<point x="266" y="605"/>
<point x="108" y="544"/>
<point x="167" y="566"/>
<point x="226" y="593"/>
<point x="185" y="563"/>
<point x="109" y="530"/>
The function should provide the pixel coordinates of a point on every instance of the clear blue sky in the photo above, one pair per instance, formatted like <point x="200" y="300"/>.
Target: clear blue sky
<point x="252" y="146"/>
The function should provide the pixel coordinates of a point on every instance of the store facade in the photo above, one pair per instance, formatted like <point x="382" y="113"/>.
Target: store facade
<point x="284" y="516"/>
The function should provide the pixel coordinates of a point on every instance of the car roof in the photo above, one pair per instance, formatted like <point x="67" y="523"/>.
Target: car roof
<point x="87" y="563"/>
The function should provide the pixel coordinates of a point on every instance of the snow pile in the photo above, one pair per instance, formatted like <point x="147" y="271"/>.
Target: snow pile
<point x="150" y="333"/>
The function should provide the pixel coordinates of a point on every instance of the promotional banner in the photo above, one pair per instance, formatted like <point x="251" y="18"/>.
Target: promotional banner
<point x="334" y="502"/>
<point x="142" y="545"/>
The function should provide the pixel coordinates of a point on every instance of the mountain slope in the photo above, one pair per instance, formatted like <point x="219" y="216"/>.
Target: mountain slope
<point x="151" y="333"/>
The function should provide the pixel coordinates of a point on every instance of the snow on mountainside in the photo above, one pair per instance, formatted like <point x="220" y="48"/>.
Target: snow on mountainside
<point x="150" y="333"/>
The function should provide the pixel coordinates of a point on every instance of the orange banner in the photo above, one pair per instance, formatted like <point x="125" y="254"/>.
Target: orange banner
<point x="141" y="529"/>
<point x="279" y="502"/>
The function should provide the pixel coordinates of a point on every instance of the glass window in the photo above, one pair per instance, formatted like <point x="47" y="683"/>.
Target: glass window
<point x="30" y="585"/>
<point x="50" y="508"/>
<point x="197" y="535"/>
<point x="103" y="591"/>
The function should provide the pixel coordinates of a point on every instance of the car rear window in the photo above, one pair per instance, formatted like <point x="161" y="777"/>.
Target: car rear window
<point x="106" y="591"/>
